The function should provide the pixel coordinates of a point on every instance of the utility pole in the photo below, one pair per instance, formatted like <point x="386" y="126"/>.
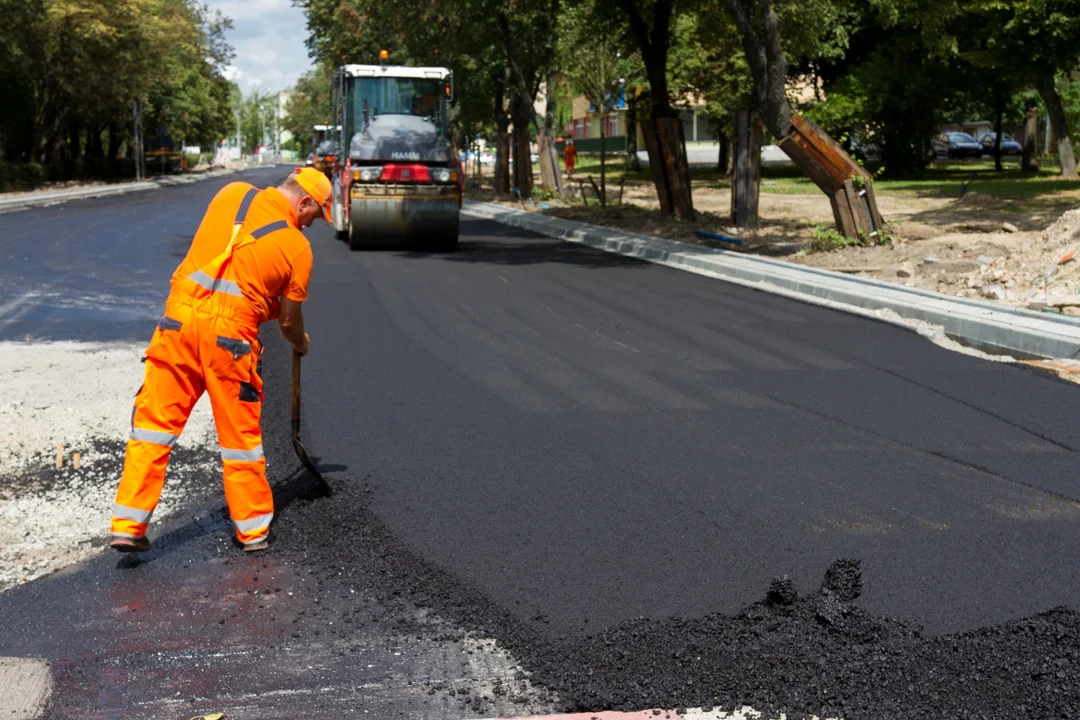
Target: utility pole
<point x="136" y="131"/>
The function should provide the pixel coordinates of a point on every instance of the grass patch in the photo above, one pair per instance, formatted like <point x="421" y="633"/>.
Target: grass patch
<point x="946" y="179"/>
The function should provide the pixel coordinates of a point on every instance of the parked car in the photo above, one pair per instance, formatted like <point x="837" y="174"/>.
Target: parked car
<point x="867" y="152"/>
<point x="1009" y="146"/>
<point x="956" y="145"/>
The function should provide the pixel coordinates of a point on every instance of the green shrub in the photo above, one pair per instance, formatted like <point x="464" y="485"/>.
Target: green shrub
<point x="20" y="176"/>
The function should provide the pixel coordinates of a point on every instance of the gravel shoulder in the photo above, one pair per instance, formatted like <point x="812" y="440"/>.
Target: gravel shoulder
<point x="78" y="394"/>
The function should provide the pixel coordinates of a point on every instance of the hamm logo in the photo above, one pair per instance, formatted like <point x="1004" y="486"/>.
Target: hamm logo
<point x="404" y="156"/>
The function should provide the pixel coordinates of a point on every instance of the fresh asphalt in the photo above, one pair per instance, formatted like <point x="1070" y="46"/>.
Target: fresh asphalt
<point x="539" y="443"/>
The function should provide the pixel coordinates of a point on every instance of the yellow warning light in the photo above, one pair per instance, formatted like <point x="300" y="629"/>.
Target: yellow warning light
<point x="384" y="55"/>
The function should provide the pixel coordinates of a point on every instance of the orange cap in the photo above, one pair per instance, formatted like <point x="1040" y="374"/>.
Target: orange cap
<point x="316" y="186"/>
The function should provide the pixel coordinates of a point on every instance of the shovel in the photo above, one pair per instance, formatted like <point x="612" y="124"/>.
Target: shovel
<point x="298" y="447"/>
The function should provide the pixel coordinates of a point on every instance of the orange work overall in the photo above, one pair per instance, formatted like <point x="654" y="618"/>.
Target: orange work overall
<point x="206" y="341"/>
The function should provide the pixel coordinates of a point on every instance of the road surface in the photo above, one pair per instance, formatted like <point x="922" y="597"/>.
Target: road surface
<point x="600" y="465"/>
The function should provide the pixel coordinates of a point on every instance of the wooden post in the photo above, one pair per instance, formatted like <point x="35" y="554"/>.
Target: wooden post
<point x="847" y="184"/>
<point x="747" y="181"/>
<point x="656" y="165"/>
<point x="59" y="455"/>
<point x="76" y="459"/>
<point x="599" y="195"/>
<point x="669" y="133"/>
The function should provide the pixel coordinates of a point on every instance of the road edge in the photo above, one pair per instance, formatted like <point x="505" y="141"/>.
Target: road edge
<point x="31" y="200"/>
<point x="979" y="325"/>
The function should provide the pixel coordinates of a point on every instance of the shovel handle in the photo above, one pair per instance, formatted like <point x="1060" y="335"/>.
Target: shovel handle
<point x="296" y="389"/>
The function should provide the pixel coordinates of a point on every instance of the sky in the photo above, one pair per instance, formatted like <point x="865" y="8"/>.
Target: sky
<point x="268" y="38"/>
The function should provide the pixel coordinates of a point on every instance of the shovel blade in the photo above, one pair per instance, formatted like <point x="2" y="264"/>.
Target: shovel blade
<point x="298" y="448"/>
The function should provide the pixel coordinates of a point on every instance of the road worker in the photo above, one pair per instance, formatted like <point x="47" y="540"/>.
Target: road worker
<point x="569" y="157"/>
<point x="248" y="263"/>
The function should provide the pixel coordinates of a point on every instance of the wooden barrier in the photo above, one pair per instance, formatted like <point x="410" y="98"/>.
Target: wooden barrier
<point x="849" y="186"/>
<point x="746" y="183"/>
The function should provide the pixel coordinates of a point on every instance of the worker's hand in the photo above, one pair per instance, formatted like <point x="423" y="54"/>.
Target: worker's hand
<point x="302" y="349"/>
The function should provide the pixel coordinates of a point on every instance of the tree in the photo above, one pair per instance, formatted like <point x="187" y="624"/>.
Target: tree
<point x="1045" y="36"/>
<point x="309" y="105"/>
<point x="528" y="40"/>
<point x="662" y="130"/>
<point x="63" y="59"/>
<point x="707" y="62"/>
<point x="591" y="59"/>
<point x="759" y="25"/>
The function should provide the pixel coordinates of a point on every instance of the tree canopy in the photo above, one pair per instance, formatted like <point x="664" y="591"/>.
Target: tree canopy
<point x="72" y="71"/>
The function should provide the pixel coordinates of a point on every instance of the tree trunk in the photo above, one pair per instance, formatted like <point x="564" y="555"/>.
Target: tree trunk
<point x="549" y="158"/>
<point x="999" y="111"/>
<point x="94" y="148"/>
<point x="1060" y="125"/>
<point x="1031" y="128"/>
<point x="663" y="131"/>
<point x="723" y="160"/>
<point x="603" y="178"/>
<point x="502" y="143"/>
<point x="633" y="163"/>
<point x="656" y="165"/>
<point x="768" y="64"/>
<point x="523" y="176"/>
<point x="525" y="110"/>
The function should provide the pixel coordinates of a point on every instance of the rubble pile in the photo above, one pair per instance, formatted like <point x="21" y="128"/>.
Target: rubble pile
<point x="1034" y="269"/>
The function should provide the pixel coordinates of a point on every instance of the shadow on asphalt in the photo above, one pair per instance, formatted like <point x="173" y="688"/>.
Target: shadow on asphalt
<point x="489" y="242"/>
<point x="299" y="486"/>
<point x="531" y="253"/>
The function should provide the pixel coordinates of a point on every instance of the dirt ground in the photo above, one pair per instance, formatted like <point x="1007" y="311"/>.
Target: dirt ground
<point x="1014" y="251"/>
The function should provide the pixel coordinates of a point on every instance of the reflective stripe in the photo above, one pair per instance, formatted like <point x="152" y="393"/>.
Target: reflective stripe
<point x="238" y="348"/>
<point x="123" y="512"/>
<point x="215" y="284"/>
<point x="254" y="523"/>
<point x="126" y="535"/>
<point x="267" y="229"/>
<point x="167" y="323"/>
<point x="243" y="455"/>
<point x="241" y="213"/>
<point x="154" y="436"/>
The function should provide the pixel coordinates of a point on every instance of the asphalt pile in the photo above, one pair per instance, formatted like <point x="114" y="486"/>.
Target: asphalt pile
<point x="802" y="653"/>
<point x="820" y="654"/>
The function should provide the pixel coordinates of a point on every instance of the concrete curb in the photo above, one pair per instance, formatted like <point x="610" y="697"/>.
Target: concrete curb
<point x="981" y="325"/>
<point x="26" y="685"/>
<point x="30" y="200"/>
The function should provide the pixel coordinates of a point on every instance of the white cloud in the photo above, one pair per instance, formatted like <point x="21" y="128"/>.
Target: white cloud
<point x="268" y="37"/>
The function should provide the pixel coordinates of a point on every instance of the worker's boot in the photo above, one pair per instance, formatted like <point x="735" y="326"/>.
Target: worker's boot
<point x="126" y="544"/>
<point x="261" y="545"/>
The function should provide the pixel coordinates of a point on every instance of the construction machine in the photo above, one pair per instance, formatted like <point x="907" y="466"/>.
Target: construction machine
<point x="397" y="179"/>
<point x="324" y="147"/>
